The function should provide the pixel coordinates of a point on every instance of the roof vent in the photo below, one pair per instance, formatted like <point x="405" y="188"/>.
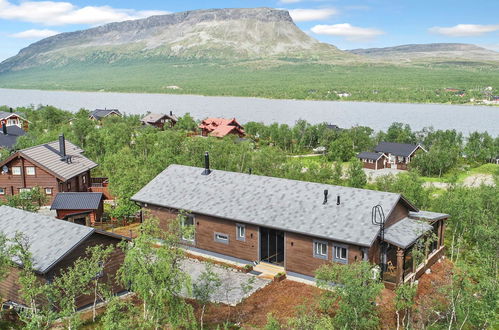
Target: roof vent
<point x="338" y="200"/>
<point x="325" y="197"/>
<point x="206" y="164"/>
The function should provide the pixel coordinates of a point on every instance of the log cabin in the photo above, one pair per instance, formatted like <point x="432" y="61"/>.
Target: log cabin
<point x="12" y="118"/>
<point x="296" y="225"/>
<point x="57" y="166"/>
<point x="55" y="245"/>
<point x="390" y="155"/>
<point x="221" y="127"/>
<point x="83" y="208"/>
<point x="159" y="120"/>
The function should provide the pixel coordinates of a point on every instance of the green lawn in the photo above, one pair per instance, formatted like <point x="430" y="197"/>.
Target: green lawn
<point x="460" y="175"/>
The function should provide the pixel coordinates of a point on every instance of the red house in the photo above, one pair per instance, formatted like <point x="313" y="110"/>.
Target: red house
<point x="221" y="127"/>
<point x="12" y="118"/>
<point x="57" y="166"/>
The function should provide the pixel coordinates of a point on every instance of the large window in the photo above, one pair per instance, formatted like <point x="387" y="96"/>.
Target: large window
<point x="320" y="249"/>
<point x="188" y="228"/>
<point x="30" y="170"/>
<point x="221" y="238"/>
<point x="16" y="170"/>
<point x="240" y="232"/>
<point x="340" y="254"/>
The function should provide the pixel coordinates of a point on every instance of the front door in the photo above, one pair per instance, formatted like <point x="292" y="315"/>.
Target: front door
<point x="272" y="246"/>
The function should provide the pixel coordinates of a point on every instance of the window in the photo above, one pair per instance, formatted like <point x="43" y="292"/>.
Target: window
<point x="24" y="190"/>
<point x="222" y="238"/>
<point x="48" y="191"/>
<point x="68" y="185"/>
<point x="2" y="191"/>
<point x="320" y="249"/>
<point x="240" y="232"/>
<point x="84" y="179"/>
<point x="340" y="254"/>
<point x="188" y="229"/>
<point x="365" y="254"/>
<point x="371" y="161"/>
<point x="30" y="170"/>
<point x="16" y="170"/>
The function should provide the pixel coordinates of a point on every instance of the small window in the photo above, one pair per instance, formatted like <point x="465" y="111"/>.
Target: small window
<point x="371" y="161"/>
<point x="69" y="186"/>
<point x="188" y="229"/>
<point x="340" y="254"/>
<point x="84" y="179"/>
<point x="320" y="249"/>
<point x="241" y="232"/>
<point x="48" y="191"/>
<point x="2" y="191"/>
<point x="30" y="170"/>
<point x="222" y="238"/>
<point x="16" y="170"/>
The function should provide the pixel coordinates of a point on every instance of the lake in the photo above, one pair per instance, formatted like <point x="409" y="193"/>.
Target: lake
<point x="379" y="116"/>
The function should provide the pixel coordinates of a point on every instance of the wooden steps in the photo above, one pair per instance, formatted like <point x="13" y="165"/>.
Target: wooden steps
<point x="267" y="270"/>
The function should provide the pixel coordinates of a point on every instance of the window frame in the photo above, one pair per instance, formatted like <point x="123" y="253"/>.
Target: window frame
<point x="21" y="190"/>
<point x="187" y="239"/>
<point x="28" y="172"/>
<point x="340" y="259"/>
<point x="221" y="240"/>
<point x="315" y="246"/>
<point x="240" y="237"/>
<point x="3" y="191"/>
<point x="51" y="191"/>
<point x="16" y="167"/>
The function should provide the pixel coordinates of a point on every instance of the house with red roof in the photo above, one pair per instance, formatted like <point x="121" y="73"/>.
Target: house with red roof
<point x="221" y="127"/>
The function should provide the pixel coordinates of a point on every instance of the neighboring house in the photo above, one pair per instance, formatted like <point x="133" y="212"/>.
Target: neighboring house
<point x="100" y="114"/>
<point x="58" y="166"/>
<point x="333" y="127"/>
<point x="373" y="160"/>
<point x="294" y="224"/>
<point x="83" y="208"/>
<point x="220" y="127"/>
<point x="13" y="119"/>
<point x="55" y="245"/>
<point x="9" y="135"/>
<point x="159" y="120"/>
<point x="397" y="155"/>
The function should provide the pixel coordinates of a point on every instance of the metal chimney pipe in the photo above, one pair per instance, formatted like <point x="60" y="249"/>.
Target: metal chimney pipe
<point x="325" y="196"/>
<point x="338" y="200"/>
<point x="171" y="113"/>
<point x="62" y="146"/>
<point x="206" y="163"/>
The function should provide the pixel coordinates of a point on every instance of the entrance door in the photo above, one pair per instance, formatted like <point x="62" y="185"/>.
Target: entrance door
<point x="272" y="246"/>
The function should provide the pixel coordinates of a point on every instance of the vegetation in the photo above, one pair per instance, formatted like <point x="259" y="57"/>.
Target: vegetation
<point x="422" y="83"/>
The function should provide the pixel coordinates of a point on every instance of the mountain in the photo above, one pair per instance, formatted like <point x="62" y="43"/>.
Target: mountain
<point x="214" y="33"/>
<point x="429" y="52"/>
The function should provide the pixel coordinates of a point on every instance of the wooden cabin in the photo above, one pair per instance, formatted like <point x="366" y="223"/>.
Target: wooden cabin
<point x="296" y="225"/>
<point x="221" y="127"/>
<point x="57" y="166"/>
<point x="390" y="155"/>
<point x="12" y="118"/>
<point x="99" y="114"/>
<point x="83" y="208"/>
<point x="159" y="120"/>
<point x="55" y="245"/>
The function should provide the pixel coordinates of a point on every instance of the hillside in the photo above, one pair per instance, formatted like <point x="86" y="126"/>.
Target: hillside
<point x="430" y="52"/>
<point x="214" y="34"/>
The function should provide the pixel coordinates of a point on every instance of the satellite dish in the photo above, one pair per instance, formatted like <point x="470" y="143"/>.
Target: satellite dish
<point x="5" y="169"/>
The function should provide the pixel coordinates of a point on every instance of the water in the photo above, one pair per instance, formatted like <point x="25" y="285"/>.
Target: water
<point x="379" y="116"/>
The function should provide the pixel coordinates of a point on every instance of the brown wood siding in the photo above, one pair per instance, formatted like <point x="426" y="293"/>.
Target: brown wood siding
<point x="399" y="212"/>
<point x="299" y="253"/>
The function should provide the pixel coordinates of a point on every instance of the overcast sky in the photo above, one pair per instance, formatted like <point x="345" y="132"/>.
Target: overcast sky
<point x="346" y="24"/>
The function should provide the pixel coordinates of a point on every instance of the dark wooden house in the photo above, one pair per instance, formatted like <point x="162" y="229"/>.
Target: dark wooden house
<point x="99" y="114"/>
<point x="58" y="166"/>
<point x="159" y="120"/>
<point x="395" y="155"/>
<point x="294" y="224"/>
<point x="55" y="245"/>
<point x="373" y="160"/>
<point x="83" y="208"/>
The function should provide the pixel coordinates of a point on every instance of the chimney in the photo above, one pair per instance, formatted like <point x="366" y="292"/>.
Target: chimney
<point x="4" y="129"/>
<point x="62" y="147"/>
<point x="171" y="113"/>
<point x="325" y="197"/>
<point x="206" y="164"/>
<point x="250" y="170"/>
<point x="11" y="110"/>
<point x="338" y="200"/>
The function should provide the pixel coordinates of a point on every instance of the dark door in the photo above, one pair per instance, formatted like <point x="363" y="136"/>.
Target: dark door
<point x="272" y="246"/>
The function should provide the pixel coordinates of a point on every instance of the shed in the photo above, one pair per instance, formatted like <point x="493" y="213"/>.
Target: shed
<point x="84" y="208"/>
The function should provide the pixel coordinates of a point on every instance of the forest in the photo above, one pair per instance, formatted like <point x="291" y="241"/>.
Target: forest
<point x="130" y="155"/>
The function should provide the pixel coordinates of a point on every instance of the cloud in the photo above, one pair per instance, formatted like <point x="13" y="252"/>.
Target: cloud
<point x="34" y="34"/>
<point x="353" y="33"/>
<point x="53" y="13"/>
<point x="305" y="15"/>
<point x="464" y="30"/>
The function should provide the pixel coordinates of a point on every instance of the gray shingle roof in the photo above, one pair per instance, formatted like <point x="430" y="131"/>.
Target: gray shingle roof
<point x="47" y="155"/>
<point x="397" y="149"/>
<point x="50" y="239"/>
<point x="101" y="113"/>
<point x="291" y="205"/>
<point x="77" y="201"/>
<point x="4" y="114"/>
<point x="9" y="141"/>
<point x="370" y="155"/>
<point x="406" y="231"/>
<point x="427" y="215"/>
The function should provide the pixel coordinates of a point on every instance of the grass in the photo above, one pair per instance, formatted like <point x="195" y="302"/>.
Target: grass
<point x="459" y="175"/>
<point x="301" y="80"/>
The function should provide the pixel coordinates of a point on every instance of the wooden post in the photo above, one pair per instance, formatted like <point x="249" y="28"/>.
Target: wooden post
<point x="400" y="266"/>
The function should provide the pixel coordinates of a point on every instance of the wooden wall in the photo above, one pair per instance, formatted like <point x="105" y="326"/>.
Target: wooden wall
<point x="399" y="212"/>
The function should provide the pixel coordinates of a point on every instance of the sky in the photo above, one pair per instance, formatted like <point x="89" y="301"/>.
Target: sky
<point x="347" y="24"/>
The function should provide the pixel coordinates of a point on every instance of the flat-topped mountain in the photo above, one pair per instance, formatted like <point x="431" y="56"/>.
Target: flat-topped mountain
<point x="213" y="33"/>
<point x="428" y="51"/>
